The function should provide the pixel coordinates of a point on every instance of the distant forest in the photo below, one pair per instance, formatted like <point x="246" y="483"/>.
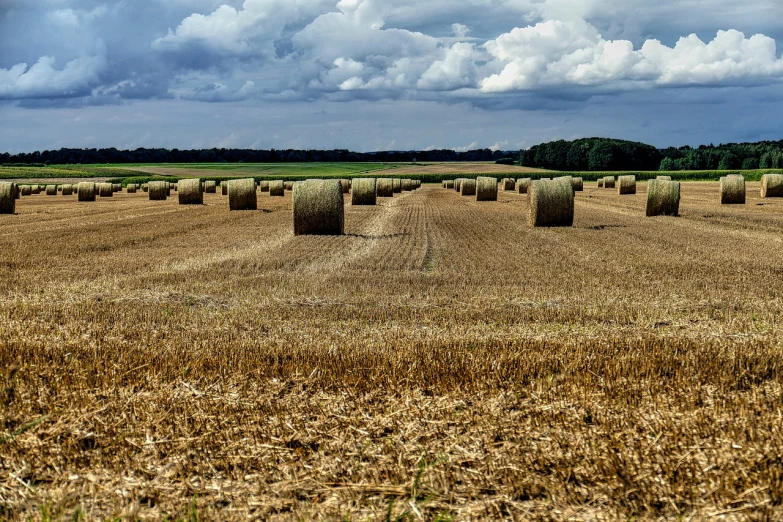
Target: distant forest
<point x="601" y="154"/>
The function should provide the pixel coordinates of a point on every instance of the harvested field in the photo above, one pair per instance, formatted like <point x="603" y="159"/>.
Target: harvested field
<point x="461" y="168"/>
<point x="442" y="358"/>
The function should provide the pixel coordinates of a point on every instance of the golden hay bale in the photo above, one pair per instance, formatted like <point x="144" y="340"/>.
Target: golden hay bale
<point x="457" y="183"/>
<point x="486" y="189"/>
<point x="174" y="186"/>
<point x="26" y="190"/>
<point x="663" y="198"/>
<point x="523" y="185"/>
<point x="263" y="186"/>
<point x="105" y="190"/>
<point x="224" y="188"/>
<point x="772" y="186"/>
<point x="157" y="190"/>
<point x="509" y="184"/>
<point x="345" y="185"/>
<point x="443" y="183"/>
<point x="51" y="190"/>
<point x="242" y="194"/>
<point x="732" y="190"/>
<point x="67" y="190"/>
<point x="363" y="191"/>
<point x="7" y="198"/>
<point x="319" y="208"/>
<point x="397" y="185"/>
<point x="35" y="189"/>
<point x="468" y="187"/>
<point x="626" y="185"/>
<point x="116" y="187"/>
<point x="145" y="187"/>
<point x="578" y="184"/>
<point x="288" y="185"/>
<point x="601" y="183"/>
<point x="85" y="191"/>
<point x="551" y="203"/>
<point x="210" y="186"/>
<point x="384" y="188"/>
<point x="191" y="193"/>
<point x="131" y="188"/>
<point x="449" y="183"/>
<point x="609" y="182"/>
<point x="168" y="188"/>
<point x="664" y="178"/>
<point x="276" y="188"/>
<point x="407" y="185"/>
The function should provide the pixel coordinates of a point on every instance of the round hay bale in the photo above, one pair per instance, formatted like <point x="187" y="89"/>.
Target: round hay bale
<point x="609" y="182"/>
<point x="263" y="186"/>
<point x="663" y="198"/>
<point x="17" y="191"/>
<point x="397" y="185"/>
<point x="509" y="184"/>
<point x="345" y="185"/>
<point x="276" y="188"/>
<point x="116" y="187"/>
<point x="191" y="193"/>
<point x="242" y="194"/>
<point x="168" y="188"/>
<point x="551" y="203"/>
<point x="67" y="190"/>
<point x="458" y="184"/>
<point x="664" y="178"/>
<point x="523" y="185"/>
<point x="319" y="208"/>
<point x="449" y="183"/>
<point x="131" y="188"/>
<point x="486" y="189"/>
<point x="468" y="187"/>
<point x="772" y="186"/>
<point x="26" y="190"/>
<point x="443" y="184"/>
<point x="105" y="190"/>
<point x="363" y="191"/>
<point x="7" y="198"/>
<point x="626" y="185"/>
<point x="601" y="183"/>
<point x="157" y="190"/>
<point x="288" y="185"/>
<point x="224" y="189"/>
<point x="85" y="191"/>
<point x="384" y="188"/>
<point x="51" y="190"/>
<point x="407" y="185"/>
<point x="210" y="186"/>
<point x="732" y="190"/>
<point x="174" y="186"/>
<point x="578" y="184"/>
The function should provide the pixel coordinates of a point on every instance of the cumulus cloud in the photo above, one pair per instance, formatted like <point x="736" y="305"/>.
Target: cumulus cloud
<point x="44" y="80"/>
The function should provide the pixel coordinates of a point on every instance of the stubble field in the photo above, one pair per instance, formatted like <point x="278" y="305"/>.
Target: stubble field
<point x="442" y="360"/>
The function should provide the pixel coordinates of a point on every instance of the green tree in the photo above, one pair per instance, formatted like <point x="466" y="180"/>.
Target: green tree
<point x="667" y="164"/>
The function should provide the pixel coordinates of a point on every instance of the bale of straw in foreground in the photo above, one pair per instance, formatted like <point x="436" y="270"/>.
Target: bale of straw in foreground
<point x="578" y="184"/>
<point x="242" y="194"/>
<point x="85" y="191"/>
<point x="468" y="187"/>
<point x="732" y="190"/>
<point x="384" y="188"/>
<point x="551" y="203"/>
<point x="509" y="184"/>
<point x="609" y="182"/>
<point x="523" y="185"/>
<point x="189" y="192"/>
<point x="131" y="188"/>
<point x="51" y="190"/>
<point x="26" y="190"/>
<point x="318" y="207"/>
<point x="449" y="183"/>
<point x="664" y="178"/>
<point x="7" y="198"/>
<point x="663" y="198"/>
<point x="363" y="191"/>
<point x="276" y="188"/>
<point x="486" y="189"/>
<point x="105" y="190"/>
<point x="397" y="185"/>
<point x="626" y="185"/>
<point x="772" y="186"/>
<point x="67" y="190"/>
<point x="157" y="190"/>
<point x="210" y="186"/>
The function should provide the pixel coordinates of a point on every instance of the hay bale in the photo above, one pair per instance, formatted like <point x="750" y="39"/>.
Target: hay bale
<point x="345" y="185"/>
<point x="449" y="183"/>
<point x="772" y="186"/>
<point x="174" y="186"/>
<point x="458" y="184"/>
<point x="191" y="193"/>
<point x="732" y="190"/>
<point x="523" y="185"/>
<point x="276" y="188"/>
<point x="486" y="189"/>
<point x="288" y="185"/>
<point x="663" y="198"/>
<point x="67" y="190"/>
<point x="168" y="188"/>
<point x="157" y="190"/>
<point x="85" y="191"/>
<point x="224" y="189"/>
<point x="407" y="185"/>
<point x="664" y="178"/>
<point x="105" y="190"/>
<point x="601" y="183"/>
<point x="509" y="184"/>
<point x="609" y="182"/>
<point x="242" y="194"/>
<point x="468" y="187"/>
<point x="51" y="190"/>
<point x="116" y="187"/>
<point x="397" y="185"/>
<point x="131" y="188"/>
<point x="626" y="185"/>
<point x="384" y="188"/>
<point x="319" y="208"/>
<point x="210" y="187"/>
<point x="263" y="186"/>
<point x="26" y="190"/>
<point x="578" y="184"/>
<point x="7" y="198"/>
<point x="145" y="187"/>
<point x="363" y="191"/>
<point x="551" y="203"/>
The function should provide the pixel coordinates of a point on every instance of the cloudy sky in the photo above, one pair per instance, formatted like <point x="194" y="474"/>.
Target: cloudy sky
<point x="386" y="74"/>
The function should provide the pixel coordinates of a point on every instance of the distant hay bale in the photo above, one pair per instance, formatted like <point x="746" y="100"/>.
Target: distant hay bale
<point x="288" y="185"/>
<point x="578" y="184"/>
<point x="363" y="191"/>
<point x="131" y="188"/>
<point x="157" y="190"/>
<point x="449" y="183"/>
<point x="263" y="186"/>
<point x="523" y="185"/>
<point x="116" y="187"/>
<point x="145" y="187"/>
<point x="509" y="184"/>
<point x="319" y="208"/>
<point x="626" y="185"/>
<point x="609" y="182"/>
<point x="486" y="189"/>
<point x="175" y="187"/>
<point x="67" y="190"/>
<point x="663" y="198"/>
<point x="190" y="192"/>
<point x="457" y="183"/>
<point x="26" y="190"/>
<point x="7" y="198"/>
<point x="345" y="185"/>
<point x="397" y="185"/>
<point x="551" y="203"/>
<point x="35" y="189"/>
<point x="51" y="190"/>
<point x="242" y="194"/>
<point x="732" y="190"/>
<point x="772" y="186"/>
<point x="407" y="185"/>
<point x="601" y="183"/>
<point x="85" y="191"/>
<point x="468" y="187"/>
<point x="105" y="190"/>
<point x="276" y="188"/>
<point x="384" y="188"/>
<point x="443" y="183"/>
<point x="210" y="186"/>
<point x="664" y="178"/>
<point x="167" y="185"/>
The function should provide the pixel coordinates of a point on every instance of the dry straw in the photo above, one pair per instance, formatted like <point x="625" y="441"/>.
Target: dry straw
<point x="384" y="188"/>
<point x="224" y="189"/>
<point x="318" y="207"/>
<point x="116" y="187"/>
<point x="578" y="184"/>
<point x="242" y="194"/>
<point x="85" y="191"/>
<point x="289" y="185"/>
<point x="26" y="190"/>
<point x="7" y="198"/>
<point x="276" y="188"/>
<point x="145" y="187"/>
<point x="345" y="185"/>
<point x="732" y="190"/>
<point x="509" y="184"/>
<point x="626" y="185"/>
<point x="663" y="198"/>
<point x="664" y="178"/>
<point x="35" y="189"/>
<point x="189" y="192"/>
<point x="601" y="183"/>
<point x="397" y="185"/>
<point x="363" y="191"/>
<point x="523" y="185"/>
<point x="51" y="190"/>
<point x="263" y="186"/>
<point x="131" y="188"/>
<point x="551" y="203"/>
<point x="157" y="190"/>
<point x="407" y="185"/>
<point x="486" y="189"/>
<point x="210" y="187"/>
<point x="167" y="185"/>
<point x="67" y="190"/>
<point x="772" y="186"/>
<point x="105" y="190"/>
<point x="609" y="182"/>
<point x="449" y="183"/>
<point x="468" y="187"/>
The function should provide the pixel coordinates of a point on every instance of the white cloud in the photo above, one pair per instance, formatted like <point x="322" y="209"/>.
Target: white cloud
<point x="44" y="80"/>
